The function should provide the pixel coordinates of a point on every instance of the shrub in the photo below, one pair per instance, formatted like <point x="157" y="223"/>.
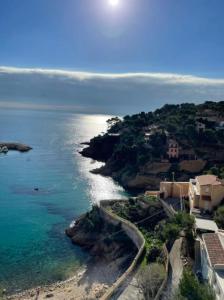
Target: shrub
<point x="191" y="289"/>
<point x="149" y="280"/>
<point x="219" y="217"/>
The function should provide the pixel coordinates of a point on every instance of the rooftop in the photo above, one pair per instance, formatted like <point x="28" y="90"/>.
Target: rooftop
<point x="214" y="248"/>
<point x="208" y="180"/>
<point x="205" y="225"/>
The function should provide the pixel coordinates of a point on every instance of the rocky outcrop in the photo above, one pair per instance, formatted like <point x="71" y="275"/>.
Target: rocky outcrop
<point x="101" y="147"/>
<point x="100" y="238"/>
<point x="15" y="146"/>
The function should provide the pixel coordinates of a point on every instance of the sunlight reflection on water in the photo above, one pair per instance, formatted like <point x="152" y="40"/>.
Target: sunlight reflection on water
<point x="99" y="187"/>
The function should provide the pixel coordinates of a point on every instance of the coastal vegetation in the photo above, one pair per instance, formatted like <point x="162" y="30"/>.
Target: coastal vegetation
<point x="147" y="214"/>
<point x="216" y="170"/>
<point x="219" y="217"/>
<point x="191" y="289"/>
<point x="135" y="148"/>
<point x="149" y="280"/>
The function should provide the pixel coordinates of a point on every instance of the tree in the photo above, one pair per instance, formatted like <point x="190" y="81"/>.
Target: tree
<point x="191" y="132"/>
<point x="149" y="280"/>
<point x="191" y="289"/>
<point x="219" y="217"/>
<point x="114" y="124"/>
<point x="208" y="137"/>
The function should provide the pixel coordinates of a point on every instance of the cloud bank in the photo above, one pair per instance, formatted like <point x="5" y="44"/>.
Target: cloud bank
<point x="86" y="92"/>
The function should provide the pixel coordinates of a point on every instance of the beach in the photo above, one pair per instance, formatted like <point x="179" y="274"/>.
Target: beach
<point x="90" y="282"/>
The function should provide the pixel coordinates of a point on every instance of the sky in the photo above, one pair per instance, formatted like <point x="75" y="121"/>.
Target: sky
<point x="125" y="54"/>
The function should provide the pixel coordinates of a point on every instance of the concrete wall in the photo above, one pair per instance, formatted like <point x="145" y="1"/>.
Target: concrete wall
<point x="217" y="195"/>
<point x="138" y="239"/>
<point x="135" y="235"/>
<point x="170" y="212"/>
<point x="129" y="228"/>
<point x="174" y="189"/>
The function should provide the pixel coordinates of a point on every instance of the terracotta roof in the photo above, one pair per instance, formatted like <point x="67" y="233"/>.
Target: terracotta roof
<point x="214" y="248"/>
<point x="208" y="180"/>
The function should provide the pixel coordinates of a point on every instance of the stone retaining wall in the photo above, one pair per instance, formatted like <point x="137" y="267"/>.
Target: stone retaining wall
<point x="138" y="239"/>
<point x="134" y="234"/>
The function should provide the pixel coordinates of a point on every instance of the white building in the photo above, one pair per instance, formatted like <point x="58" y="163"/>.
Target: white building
<point x="212" y="261"/>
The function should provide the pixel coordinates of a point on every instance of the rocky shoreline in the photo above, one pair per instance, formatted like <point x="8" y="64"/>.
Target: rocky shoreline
<point x="110" y="257"/>
<point x="101" y="239"/>
<point x="15" y="146"/>
<point x="86" y="284"/>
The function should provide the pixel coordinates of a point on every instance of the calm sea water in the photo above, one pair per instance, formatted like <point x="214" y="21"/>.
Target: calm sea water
<point x="33" y="247"/>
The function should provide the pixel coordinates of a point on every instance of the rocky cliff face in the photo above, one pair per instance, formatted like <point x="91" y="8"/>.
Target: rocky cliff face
<point x="101" y="148"/>
<point x="100" y="238"/>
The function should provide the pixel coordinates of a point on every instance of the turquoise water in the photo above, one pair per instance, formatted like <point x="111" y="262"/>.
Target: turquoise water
<point x="33" y="247"/>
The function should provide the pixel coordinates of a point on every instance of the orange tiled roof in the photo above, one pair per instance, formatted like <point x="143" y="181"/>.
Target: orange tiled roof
<point x="214" y="248"/>
<point x="208" y="180"/>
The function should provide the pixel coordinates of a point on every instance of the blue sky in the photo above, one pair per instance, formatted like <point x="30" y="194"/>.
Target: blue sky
<point x="180" y="36"/>
<point x="136" y="36"/>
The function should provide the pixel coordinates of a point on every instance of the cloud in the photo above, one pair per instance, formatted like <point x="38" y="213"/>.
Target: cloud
<point x="102" y="92"/>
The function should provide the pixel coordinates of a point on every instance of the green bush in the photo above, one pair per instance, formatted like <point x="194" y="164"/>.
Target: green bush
<point x="191" y="289"/>
<point x="219" y="217"/>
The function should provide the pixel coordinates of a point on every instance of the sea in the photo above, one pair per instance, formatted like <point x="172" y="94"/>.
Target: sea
<point x="43" y="191"/>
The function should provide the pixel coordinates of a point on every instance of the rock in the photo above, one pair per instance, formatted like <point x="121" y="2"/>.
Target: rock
<point x="49" y="295"/>
<point x="101" y="147"/>
<point x="32" y="293"/>
<point x="15" y="146"/>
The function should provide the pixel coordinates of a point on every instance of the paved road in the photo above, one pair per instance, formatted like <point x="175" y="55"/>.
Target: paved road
<point x="132" y="291"/>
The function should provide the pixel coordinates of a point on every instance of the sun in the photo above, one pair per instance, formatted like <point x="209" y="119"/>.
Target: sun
<point x="113" y="2"/>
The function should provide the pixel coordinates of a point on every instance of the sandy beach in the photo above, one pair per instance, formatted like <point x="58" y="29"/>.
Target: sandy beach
<point x="90" y="282"/>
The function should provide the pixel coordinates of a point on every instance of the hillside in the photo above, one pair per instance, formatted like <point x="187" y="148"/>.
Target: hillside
<point x="181" y="140"/>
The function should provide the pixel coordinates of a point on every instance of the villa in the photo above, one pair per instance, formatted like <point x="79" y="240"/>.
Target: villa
<point x="206" y="192"/>
<point x="173" y="149"/>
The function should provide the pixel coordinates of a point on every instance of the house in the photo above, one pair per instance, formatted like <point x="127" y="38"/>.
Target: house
<point x="173" y="149"/>
<point x="205" y="192"/>
<point x="200" y="127"/>
<point x="212" y="261"/>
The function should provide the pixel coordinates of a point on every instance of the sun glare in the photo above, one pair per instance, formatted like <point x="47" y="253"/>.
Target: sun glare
<point x="113" y="2"/>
